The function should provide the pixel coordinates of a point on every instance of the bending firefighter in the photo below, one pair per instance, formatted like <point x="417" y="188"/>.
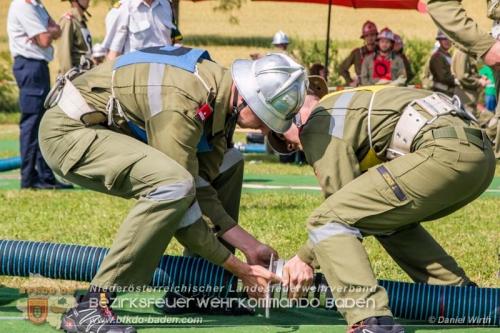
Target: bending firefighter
<point x="387" y="159"/>
<point x="162" y="138"/>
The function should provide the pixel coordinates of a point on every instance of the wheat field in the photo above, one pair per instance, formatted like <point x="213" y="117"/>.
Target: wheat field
<point x="263" y="18"/>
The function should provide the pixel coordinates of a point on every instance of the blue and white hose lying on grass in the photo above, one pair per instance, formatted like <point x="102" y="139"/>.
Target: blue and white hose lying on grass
<point x="478" y="306"/>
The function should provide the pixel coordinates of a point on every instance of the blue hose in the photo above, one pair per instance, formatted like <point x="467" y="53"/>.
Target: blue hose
<point x="418" y="301"/>
<point x="80" y="263"/>
<point x="11" y="163"/>
<point x="253" y="148"/>
<point x="444" y="304"/>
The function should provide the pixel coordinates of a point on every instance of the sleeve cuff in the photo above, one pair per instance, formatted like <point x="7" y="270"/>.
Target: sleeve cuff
<point x="305" y="253"/>
<point x="485" y="43"/>
<point x="224" y="226"/>
<point x="199" y="238"/>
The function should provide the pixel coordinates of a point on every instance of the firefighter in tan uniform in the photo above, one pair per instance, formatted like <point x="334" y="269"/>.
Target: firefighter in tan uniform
<point x="421" y="159"/>
<point x="369" y="34"/>
<point x="464" y="68"/>
<point x="383" y="66"/>
<point x="467" y="37"/>
<point x="155" y="125"/>
<point x="440" y="67"/>
<point x="75" y="40"/>
<point x="398" y="48"/>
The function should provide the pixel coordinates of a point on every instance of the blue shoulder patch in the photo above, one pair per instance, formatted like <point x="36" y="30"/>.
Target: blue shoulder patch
<point x="178" y="56"/>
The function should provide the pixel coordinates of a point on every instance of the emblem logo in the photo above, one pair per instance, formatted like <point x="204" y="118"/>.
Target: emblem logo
<point x="38" y="309"/>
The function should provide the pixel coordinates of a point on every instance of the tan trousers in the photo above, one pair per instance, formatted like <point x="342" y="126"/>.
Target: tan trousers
<point x="108" y="162"/>
<point x="438" y="179"/>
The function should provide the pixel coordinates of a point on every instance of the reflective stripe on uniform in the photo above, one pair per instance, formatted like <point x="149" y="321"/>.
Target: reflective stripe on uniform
<point x="202" y="183"/>
<point x="155" y="80"/>
<point x="339" y="113"/>
<point x="192" y="215"/>
<point x="173" y="191"/>
<point x="231" y="157"/>
<point x="332" y="229"/>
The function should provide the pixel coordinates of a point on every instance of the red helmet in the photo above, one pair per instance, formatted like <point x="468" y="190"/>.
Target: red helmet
<point x="386" y="33"/>
<point x="398" y="39"/>
<point x="368" y="28"/>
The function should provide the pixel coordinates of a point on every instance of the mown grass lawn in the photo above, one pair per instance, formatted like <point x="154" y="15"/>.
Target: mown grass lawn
<point x="471" y="235"/>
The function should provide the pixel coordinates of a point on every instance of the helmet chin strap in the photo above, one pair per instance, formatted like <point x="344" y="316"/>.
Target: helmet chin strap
<point x="234" y="117"/>
<point x="83" y="9"/>
<point x="297" y="121"/>
<point x="237" y="108"/>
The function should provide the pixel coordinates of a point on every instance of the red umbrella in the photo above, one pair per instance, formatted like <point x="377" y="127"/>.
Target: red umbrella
<point x="387" y="4"/>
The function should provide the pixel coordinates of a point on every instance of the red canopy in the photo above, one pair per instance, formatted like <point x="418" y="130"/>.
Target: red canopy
<point x="389" y="4"/>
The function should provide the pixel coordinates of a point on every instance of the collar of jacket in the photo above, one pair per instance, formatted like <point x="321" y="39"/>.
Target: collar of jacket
<point x="221" y="104"/>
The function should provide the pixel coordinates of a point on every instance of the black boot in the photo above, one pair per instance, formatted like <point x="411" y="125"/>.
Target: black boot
<point x="383" y="324"/>
<point x="94" y="315"/>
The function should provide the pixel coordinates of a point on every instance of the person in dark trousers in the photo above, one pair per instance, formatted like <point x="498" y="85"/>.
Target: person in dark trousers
<point x="31" y="31"/>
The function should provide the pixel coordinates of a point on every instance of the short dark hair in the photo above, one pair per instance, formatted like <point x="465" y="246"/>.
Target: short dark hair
<point x="315" y="68"/>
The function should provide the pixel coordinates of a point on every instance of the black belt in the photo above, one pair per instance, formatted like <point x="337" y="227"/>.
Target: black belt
<point x="474" y="136"/>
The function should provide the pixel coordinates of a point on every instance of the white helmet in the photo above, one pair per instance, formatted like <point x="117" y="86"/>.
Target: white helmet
<point x="386" y="33"/>
<point x="98" y="50"/>
<point x="441" y="35"/>
<point x="274" y="87"/>
<point x="280" y="38"/>
<point x="495" y="29"/>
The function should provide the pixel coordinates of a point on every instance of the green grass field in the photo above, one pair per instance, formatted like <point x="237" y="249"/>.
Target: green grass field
<point x="276" y="217"/>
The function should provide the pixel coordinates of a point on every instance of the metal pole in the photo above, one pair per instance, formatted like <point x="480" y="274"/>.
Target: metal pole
<point x="328" y="39"/>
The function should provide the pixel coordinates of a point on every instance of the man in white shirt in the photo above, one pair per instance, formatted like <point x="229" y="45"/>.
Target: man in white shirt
<point x="136" y="24"/>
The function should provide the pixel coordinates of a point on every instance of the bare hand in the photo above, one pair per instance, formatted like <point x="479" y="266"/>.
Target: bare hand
<point x="254" y="278"/>
<point x="256" y="281"/>
<point x="492" y="56"/>
<point x="484" y="81"/>
<point x="298" y="276"/>
<point x="54" y="29"/>
<point x="260" y="255"/>
<point x="255" y="252"/>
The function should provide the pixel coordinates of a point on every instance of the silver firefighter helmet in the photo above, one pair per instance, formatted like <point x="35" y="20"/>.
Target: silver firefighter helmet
<point x="280" y="38"/>
<point x="273" y="86"/>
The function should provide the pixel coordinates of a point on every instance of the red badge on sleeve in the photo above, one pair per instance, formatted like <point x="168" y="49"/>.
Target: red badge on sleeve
<point x="204" y="112"/>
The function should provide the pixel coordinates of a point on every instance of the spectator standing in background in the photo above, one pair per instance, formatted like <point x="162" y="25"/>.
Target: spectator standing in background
<point x="440" y="67"/>
<point x="490" y="99"/>
<point x="369" y="34"/>
<point x="383" y="66"/>
<point x="427" y="79"/>
<point x="398" y="49"/>
<point x="464" y="68"/>
<point x="280" y="42"/>
<point x="31" y="31"/>
<point x="75" y="40"/>
<point x="136" y="24"/>
<point x="317" y="69"/>
<point x="490" y="93"/>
